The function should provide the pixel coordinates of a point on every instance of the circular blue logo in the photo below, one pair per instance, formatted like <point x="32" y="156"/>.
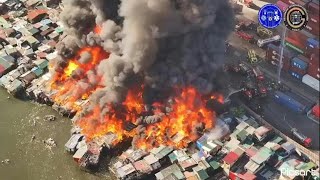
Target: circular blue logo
<point x="270" y="16"/>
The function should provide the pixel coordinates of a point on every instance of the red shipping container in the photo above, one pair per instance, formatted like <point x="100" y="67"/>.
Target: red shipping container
<point x="298" y="47"/>
<point x="286" y="1"/>
<point x="282" y="5"/>
<point x="299" y="37"/>
<point x="298" y="70"/>
<point x="313" y="18"/>
<point x="272" y="56"/>
<point x="313" y="8"/>
<point x="314" y="69"/>
<point x="303" y="58"/>
<point x="299" y="2"/>
<point x="312" y="28"/>
<point x="312" y="51"/>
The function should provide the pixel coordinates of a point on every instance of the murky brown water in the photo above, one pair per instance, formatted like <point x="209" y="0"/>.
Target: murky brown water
<point x="32" y="160"/>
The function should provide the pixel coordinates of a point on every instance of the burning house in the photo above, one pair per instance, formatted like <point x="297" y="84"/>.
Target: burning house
<point x="145" y="75"/>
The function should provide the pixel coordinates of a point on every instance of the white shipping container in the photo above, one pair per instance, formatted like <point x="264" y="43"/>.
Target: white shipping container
<point x="311" y="81"/>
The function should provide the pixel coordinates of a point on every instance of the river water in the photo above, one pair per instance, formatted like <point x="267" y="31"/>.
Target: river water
<point x="31" y="160"/>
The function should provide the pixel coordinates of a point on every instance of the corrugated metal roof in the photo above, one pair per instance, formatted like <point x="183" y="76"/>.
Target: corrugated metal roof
<point x="252" y="166"/>
<point x="262" y="155"/>
<point x="151" y="159"/>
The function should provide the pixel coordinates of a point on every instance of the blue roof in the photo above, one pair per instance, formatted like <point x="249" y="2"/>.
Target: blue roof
<point x="46" y="21"/>
<point x="313" y="42"/>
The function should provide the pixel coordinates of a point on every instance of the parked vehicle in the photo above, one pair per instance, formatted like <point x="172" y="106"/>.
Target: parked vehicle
<point x="306" y="141"/>
<point x="252" y="57"/>
<point x="244" y="69"/>
<point x="263" y="32"/>
<point x="262" y="90"/>
<point x="292" y="103"/>
<point x="258" y="74"/>
<point x="316" y="111"/>
<point x="244" y="35"/>
<point x="262" y="42"/>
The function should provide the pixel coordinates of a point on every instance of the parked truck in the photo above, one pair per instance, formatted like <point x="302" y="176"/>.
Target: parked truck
<point x="292" y="102"/>
<point x="304" y="140"/>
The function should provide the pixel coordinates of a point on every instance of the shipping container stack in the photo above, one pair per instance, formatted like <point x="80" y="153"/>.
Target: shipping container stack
<point x="301" y="54"/>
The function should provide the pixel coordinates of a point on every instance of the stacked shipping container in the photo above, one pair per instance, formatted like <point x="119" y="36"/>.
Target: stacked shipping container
<point x="304" y="67"/>
<point x="273" y="56"/>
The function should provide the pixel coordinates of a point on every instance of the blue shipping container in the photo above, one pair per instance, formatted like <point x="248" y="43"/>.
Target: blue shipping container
<point x="296" y="75"/>
<point x="312" y="43"/>
<point x="299" y="63"/>
<point x="288" y="101"/>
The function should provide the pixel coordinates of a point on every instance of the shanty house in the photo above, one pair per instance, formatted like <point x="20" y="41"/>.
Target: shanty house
<point x="27" y="78"/>
<point x="172" y="171"/>
<point x="200" y="173"/>
<point x="152" y="161"/>
<point x="36" y="15"/>
<point x="32" y="3"/>
<point x="137" y="155"/>
<point x="15" y="87"/>
<point x="187" y="164"/>
<point x="127" y="171"/>
<point x="261" y="133"/>
<point x="142" y="167"/>
<point x="229" y="160"/>
<point x="258" y="160"/>
<point x="42" y="64"/>
<point x="31" y="42"/>
<point x="162" y="155"/>
<point x="80" y="153"/>
<point x="245" y="176"/>
<point x="73" y="142"/>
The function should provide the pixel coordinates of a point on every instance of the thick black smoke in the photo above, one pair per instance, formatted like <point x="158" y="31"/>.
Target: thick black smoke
<point x="166" y="42"/>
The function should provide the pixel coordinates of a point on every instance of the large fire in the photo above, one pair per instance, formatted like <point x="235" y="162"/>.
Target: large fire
<point x="186" y="120"/>
<point x="65" y="86"/>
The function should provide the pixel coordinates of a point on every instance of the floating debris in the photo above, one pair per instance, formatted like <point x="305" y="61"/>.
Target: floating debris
<point x="6" y="161"/>
<point x="50" y="143"/>
<point x="49" y="118"/>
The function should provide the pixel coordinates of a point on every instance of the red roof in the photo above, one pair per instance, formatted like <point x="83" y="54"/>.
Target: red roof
<point x="35" y="13"/>
<point x="315" y="111"/>
<point x="247" y="176"/>
<point x="2" y="69"/>
<point x="231" y="158"/>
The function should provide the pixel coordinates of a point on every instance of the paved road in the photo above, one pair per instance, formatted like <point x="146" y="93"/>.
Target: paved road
<point x="273" y="112"/>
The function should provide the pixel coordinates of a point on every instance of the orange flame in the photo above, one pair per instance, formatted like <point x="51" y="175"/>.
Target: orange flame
<point x="97" y="29"/>
<point x="65" y="86"/>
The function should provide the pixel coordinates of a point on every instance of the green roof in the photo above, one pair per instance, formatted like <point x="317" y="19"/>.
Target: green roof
<point x="38" y="71"/>
<point x="306" y="166"/>
<point x="42" y="63"/>
<point x="203" y="175"/>
<point x="242" y="135"/>
<point x="172" y="157"/>
<point x="33" y="31"/>
<point x="214" y="164"/>
<point x="178" y="174"/>
<point x="277" y="139"/>
<point x="59" y="30"/>
<point x="262" y="155"/>
<point x="4" y="23"/>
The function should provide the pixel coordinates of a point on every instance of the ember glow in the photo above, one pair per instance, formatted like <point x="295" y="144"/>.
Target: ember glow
<point x="179" y="127"/>
<point x="187" y="120"/>
<point x="67" y="89"/>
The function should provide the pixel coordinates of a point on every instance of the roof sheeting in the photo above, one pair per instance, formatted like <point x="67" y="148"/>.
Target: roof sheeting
<point x="262" y="155"/>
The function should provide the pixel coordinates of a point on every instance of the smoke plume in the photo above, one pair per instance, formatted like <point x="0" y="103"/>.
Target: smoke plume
<point x="166" y="42"/>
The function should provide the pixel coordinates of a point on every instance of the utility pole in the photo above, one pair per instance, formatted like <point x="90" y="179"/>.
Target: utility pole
<point x="281" y="54"/>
